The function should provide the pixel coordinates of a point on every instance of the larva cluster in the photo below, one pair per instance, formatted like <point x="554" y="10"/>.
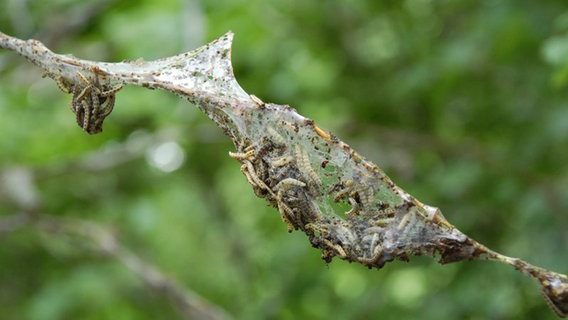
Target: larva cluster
<point x="92" y="101"/>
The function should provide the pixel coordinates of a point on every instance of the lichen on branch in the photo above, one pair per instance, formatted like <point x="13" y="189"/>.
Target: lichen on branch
<point x="346" y="205"/>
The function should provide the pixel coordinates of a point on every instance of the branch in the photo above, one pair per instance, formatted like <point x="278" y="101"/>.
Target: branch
<point x="346" y="205"/>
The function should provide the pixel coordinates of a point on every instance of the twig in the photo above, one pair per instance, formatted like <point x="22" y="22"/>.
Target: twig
<point x="345" y="204"/>
<point x="18" y="185"/>
<point x="189" y="304"/>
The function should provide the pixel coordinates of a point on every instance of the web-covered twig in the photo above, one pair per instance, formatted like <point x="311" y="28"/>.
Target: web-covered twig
<point x="345" y="204"/>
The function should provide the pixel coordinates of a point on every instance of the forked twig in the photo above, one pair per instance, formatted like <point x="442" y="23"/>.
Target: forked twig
<point x="292" y="163"/>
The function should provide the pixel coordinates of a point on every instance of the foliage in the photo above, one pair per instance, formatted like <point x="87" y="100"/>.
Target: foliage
<point x="463" y="103"/>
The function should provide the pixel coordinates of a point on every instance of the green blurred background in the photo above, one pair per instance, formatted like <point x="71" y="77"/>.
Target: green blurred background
<point x="463" y="103"/>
